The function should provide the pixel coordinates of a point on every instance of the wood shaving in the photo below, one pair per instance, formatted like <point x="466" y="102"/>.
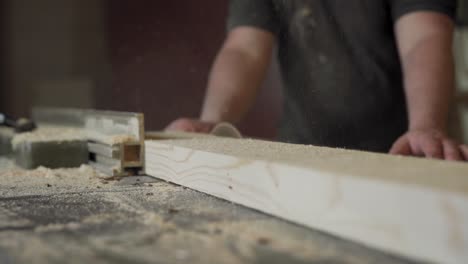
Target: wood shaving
<point x="45" y="134"/>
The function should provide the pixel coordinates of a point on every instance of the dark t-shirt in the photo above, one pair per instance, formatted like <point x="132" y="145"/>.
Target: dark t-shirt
<point x="341" y="71"/>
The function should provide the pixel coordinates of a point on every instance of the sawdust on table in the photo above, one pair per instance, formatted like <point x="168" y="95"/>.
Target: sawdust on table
<point x="119" y="139"/>
<point x="246" y="234"/>
<point x="7" y="131"/>
<point x="216" y="239"/>
<point x="16" y="181"/>
<point x="110" y="139"/>
<point x="49" y="133"/>
<point x="66" y="134"/>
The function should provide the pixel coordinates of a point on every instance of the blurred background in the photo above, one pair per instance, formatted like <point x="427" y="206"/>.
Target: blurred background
<point x="143" y="56"/>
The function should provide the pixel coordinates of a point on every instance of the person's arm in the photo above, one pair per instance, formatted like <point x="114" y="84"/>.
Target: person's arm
<point x="425" y="45"/>
<point x="237" y="74"/>
<point x="235" y="78"/>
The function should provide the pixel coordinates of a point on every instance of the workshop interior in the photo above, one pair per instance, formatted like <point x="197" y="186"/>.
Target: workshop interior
<point x="88" y="173"/>
<point x="136" y="57"/>
<point x="111" y="55"/>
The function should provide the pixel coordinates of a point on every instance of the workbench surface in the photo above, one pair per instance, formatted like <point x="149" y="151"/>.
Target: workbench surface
<point x="77" y="216"/>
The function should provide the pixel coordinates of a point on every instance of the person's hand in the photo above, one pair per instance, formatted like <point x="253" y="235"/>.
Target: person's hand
<point x="190" y="125"/>
<point x="429" y="143"/>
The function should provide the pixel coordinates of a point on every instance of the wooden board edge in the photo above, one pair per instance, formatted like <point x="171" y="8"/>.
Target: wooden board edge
<point x="413" y="221"/>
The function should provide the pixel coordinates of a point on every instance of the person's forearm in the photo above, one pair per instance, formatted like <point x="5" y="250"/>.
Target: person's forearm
<point x="429" y="84"/>
<point x="232" y="88"/>
<point x="428" y="69"/>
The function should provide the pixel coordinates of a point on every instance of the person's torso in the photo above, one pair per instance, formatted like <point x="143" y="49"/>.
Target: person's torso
<point x="342" y="74"/>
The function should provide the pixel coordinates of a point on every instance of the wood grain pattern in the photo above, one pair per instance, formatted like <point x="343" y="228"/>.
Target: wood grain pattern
<point x="414" y="207"/>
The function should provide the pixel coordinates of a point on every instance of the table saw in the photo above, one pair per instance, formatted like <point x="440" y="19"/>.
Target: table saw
<point x="117" y="201"/>
<point x="80" y="216"/>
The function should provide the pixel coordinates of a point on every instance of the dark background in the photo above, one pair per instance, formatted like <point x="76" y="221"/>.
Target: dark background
<point x="2" y="59"/>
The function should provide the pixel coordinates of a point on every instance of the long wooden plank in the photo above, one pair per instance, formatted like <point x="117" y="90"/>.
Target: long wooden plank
<point x="414" y="207"/>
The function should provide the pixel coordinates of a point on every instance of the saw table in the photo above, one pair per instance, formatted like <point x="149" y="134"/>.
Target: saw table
<point x="76" y="216"/>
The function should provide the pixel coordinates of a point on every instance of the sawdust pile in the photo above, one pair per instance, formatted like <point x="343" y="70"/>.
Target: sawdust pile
<point x="232" y="241"/>
<point x="6" y="131"/>
<point x="44" y="134"/>
<point x="15" y="180"/>
<point x="110" y="139"/>
<point x="66" y="134"/>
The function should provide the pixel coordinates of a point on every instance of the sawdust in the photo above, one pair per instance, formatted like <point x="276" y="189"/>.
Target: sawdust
<point x="181" y="244"/>
<point x="259" y="233"/>
<point x="57" y="227"/>
<point x="33" y="248"/>
<point x="66" y="134"/>
<point x="49" y="133"/>
<point x="174" y="225"/>
<point x="119" y="139"/>
<point x="110" y="139"/>
<point x="177" y="244"/>
<point x="245" y="236"/>
<point x="44" y="180"/>
<point x="6" y="131"/>
<point x="74" y="226"/>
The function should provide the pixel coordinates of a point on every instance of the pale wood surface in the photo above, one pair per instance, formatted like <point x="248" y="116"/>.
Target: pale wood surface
<point x="414" y="207"/>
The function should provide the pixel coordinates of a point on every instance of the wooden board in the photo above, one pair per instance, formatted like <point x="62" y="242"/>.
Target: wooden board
<point x="165" y="135"/>
<point x="414" y="207"/>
